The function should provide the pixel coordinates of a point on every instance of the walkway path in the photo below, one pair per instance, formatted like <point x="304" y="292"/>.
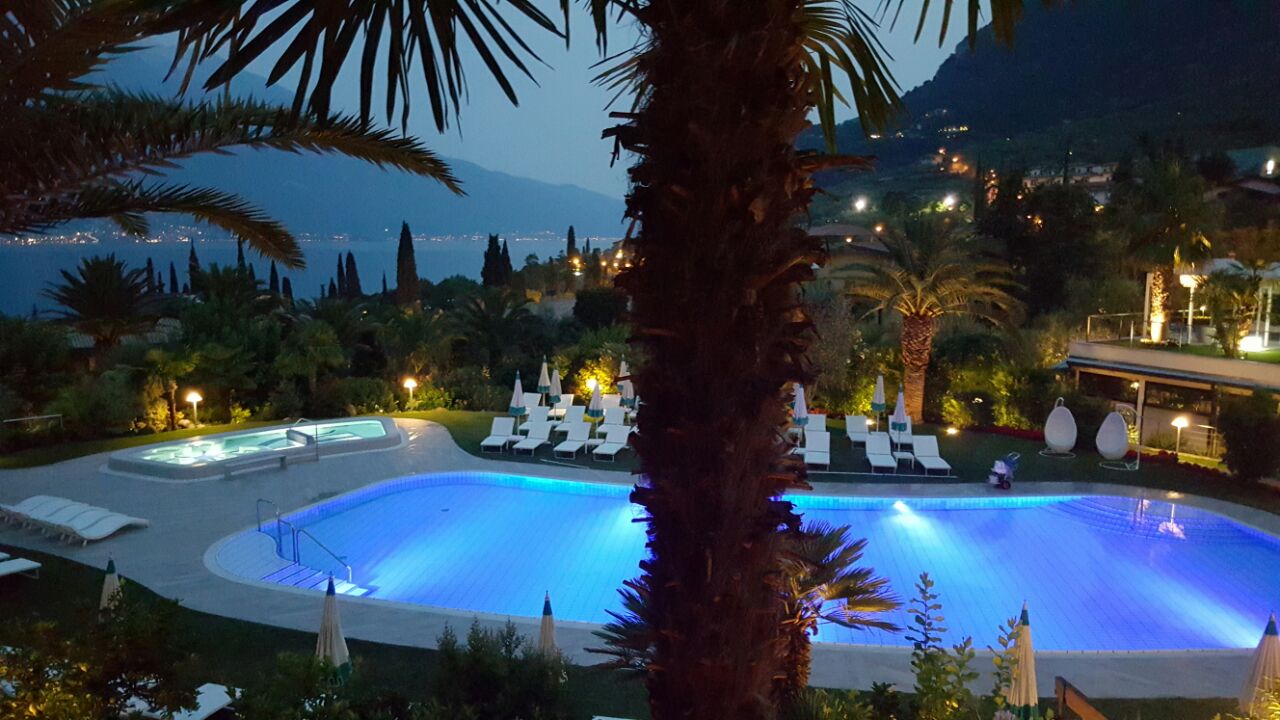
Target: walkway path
<point x="188" y="518"/>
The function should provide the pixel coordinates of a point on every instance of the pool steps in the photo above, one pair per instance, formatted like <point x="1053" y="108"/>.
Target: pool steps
<point x="301" y="576"/>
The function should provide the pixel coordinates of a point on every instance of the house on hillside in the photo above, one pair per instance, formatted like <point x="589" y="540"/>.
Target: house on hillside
<point x="1257" y="162"/>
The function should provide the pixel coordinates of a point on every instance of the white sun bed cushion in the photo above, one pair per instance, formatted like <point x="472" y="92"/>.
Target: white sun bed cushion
<point x="18" y="566"/>
<point x="539" y="435"/>
<point x="879" y="453"/>
<point x="615" y="441"/>
<point x="855" y="428"/>
<point x="926" y="452"/>
<point x="574" y="443"/>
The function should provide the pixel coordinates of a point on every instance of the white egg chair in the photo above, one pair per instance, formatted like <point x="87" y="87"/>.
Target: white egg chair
<point x="1113" y="442"/>
<point x="1059" y="432"/>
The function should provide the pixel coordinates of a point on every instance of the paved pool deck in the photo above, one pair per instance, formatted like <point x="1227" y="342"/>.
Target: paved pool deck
<point x="188" y="519"/>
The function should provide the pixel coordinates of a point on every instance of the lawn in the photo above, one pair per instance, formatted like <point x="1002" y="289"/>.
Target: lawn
<point x="1265" y="356"/>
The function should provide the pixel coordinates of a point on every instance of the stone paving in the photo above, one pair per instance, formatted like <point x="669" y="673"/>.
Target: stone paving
<point x="187" y="519"/>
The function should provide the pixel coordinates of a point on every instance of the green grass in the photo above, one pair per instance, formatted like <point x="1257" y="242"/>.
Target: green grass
<point x="235" y="652"/>
<point x="1265" y="356"/>
<point x="70" y="450"/>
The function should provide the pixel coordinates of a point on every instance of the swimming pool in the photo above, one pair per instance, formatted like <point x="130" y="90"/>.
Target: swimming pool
<point x="215" y="455"/>
<point x="1099" y="572"/>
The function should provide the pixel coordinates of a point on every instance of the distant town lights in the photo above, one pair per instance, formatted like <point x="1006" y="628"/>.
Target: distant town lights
<point x="1270" y="168"/>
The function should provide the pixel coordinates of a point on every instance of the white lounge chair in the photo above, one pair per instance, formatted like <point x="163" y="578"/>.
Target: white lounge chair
<point x="104" y="528"/>
<point x="926" y="452"/>
<point x="817" y="448"/>
<point x="84" y="520"/>
<point x="539" y="435"/>
<point x="211" y="698"/>
<point x="614" y="442"/>
<point x="903" y="438"/>
<point x="19" y="566"/>
<point x="575" y="442"/>
<point x="816" y="422"/>
<point x="46" y="517"/>
<point x="612" y="416"/>
<point x="501" y="433"/>
<point x="612" y="400"/>
<point x="575" y="415"/>
<point x="855" y="428"/>
<point x="880" y="453"/>
<point x="562" y="405"/>
<point x="537" y="414"/>
<point x="532" y="400"/>
<point x="15" y="512"/>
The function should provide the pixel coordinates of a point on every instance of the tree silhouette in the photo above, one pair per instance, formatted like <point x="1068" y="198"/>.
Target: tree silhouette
<point x="407" y="291"/>
<point x="354" y="290"/>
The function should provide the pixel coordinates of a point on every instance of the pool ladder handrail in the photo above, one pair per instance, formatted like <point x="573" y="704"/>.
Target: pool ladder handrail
<point x="294" y="532"/>
<point x="315" y="432"/>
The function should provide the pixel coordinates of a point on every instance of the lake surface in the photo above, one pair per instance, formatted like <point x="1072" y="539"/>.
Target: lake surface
<point x="26" y="270"/>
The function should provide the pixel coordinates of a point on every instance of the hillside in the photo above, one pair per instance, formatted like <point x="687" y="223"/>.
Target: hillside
<point x="334" y="195"/>
<point x="1094" y="76"/>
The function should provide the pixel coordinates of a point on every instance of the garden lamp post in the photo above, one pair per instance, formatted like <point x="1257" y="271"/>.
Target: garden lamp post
<point x="409" y="384"/>
<point x="1189" y="282"/>
<point x="1179" y="423"/>
<point x="194" y="398"/>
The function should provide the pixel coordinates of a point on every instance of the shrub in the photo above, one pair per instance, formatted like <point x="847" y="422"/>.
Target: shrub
<point x="472" y="389"/>
<point x="285" y="402"/>
<point x="596" y="308"/>
<point x="108" y="403"/>
<point x="358" y="396"/>
<point x="1250" y="428"/>
<point x="496" y="676"/>
<point x="427" y="396"/>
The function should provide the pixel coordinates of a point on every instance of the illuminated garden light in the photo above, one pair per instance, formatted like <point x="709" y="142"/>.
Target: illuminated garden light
<point x="195" y="398"/>
<point x="860" y="204"/>
<point x="409" y="384"/>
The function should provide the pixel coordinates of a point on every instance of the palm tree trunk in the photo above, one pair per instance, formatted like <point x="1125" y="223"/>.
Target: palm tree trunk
<point x="715" y="303"/>
<point x="917" y="346"/>
<point x="172" y="396"/>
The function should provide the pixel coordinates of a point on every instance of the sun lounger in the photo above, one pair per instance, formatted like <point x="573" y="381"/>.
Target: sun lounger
<point x="926" y="452"/>
<point x="880" y="453"/>
<point x="14" y="512"/>
<point x="575" y="442"/>
<point x="103" y="529"/>
<point x="83" y="520"/>
<point x="855" y="428"/>
<point x="562" y="405"/>
<point x="19" y="566"/>
<point x="532" y="400"/>
<point x="539" y="435"/>
<point x="612" y="400"/>
<point x="211" y="698"/>
<point x="537" y="414"/>
<point x="575" y="415"/>
<point x="615" y="441"/>
<point x="817" y="448"/>
<point x="902" y="438"/>
<point x="612" y="416"/>
<point x="816" y="422"/>
<point x="501" y="432"/>
<point x="45" y="517"/>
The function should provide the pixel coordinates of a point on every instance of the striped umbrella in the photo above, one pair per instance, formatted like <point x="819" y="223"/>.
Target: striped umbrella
<point x="799" y="411"/>
<point x="625" y="386"/>
<point x="110" y="587"/>
<point x="517" y="408"/>
<point x="547" y="632"/>
<point x="544" y="381"/>
<point x="1021" y="695"/>
<point x="595" y="409"/>
<point x="553" y="395"/>
<point x="898" y="420"/>
<point x="1265" y="674"/>
<point x="877" y="398"/>
<point x="331" y="645"/>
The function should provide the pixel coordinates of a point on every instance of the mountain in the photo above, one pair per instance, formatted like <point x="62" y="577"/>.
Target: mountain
<point x="1093" y="76"/>
<point x="328" y="195"/>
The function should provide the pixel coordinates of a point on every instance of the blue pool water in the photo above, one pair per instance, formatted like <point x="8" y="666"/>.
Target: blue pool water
<point x="1099" y="573"/>
<point x="219" y="448"/>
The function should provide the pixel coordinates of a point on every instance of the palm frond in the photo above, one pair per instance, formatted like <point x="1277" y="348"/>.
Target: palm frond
<point x="129" y="202"/>
<point x="316" y="41"/>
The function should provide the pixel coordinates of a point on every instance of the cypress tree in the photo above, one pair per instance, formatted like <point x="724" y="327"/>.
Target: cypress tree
<point x="507" y="271"/>
<point x="491" y="271"/>
<point x="253" y="276"/>
<point x="341" y="285"/>
<point x="173" y="279"/>
<point x="384" y="284"/>
<point x="586" y="249"/>
<point x="333" y="289"/>
<point x="193" y="272"/>
<point x="353" y="278"/>
<point x="151" y="277"/>
<point x="572" y="248"/>
<point x="160" y="289"/>
<point x="286" y="289"/>
<point x="273" y="282"/>
<point x="406" y="269"/>
<point x="240" y="253"/>
<point x="186" y="289"/>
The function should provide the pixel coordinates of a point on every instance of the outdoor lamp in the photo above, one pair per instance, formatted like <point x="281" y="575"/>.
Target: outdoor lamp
<point x="860" y="204"/>
<point x="194" y="398"/>
<point x="591" y="384"/>
<point x="1181" y="422"/>
<point x="949" y="201"/>
<point x="1189" y="282"/>
<point x="409" y="384"/>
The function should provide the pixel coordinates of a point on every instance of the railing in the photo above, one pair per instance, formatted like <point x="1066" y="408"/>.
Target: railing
<point x="297" y="532"/>
<point x="1072" y="703"/>
<point x="1114" y="326"/>
<point x="295" y="554"/>
<point x="315" y="433"/>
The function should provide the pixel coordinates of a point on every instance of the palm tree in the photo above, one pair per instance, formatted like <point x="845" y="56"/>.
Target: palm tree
<point x="1232" y="299"/>
<point x="69" y="151"/>
<point x="309" y="350"/>
<point x="822" y="583"/>
<point x="722" y="92"/>
<point x="168" y="366"/>
<point x="931" y="269"/>
<point x="104" y="300"/>
<point x="491" y="321"/>
<point x="1164" y="214"/>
